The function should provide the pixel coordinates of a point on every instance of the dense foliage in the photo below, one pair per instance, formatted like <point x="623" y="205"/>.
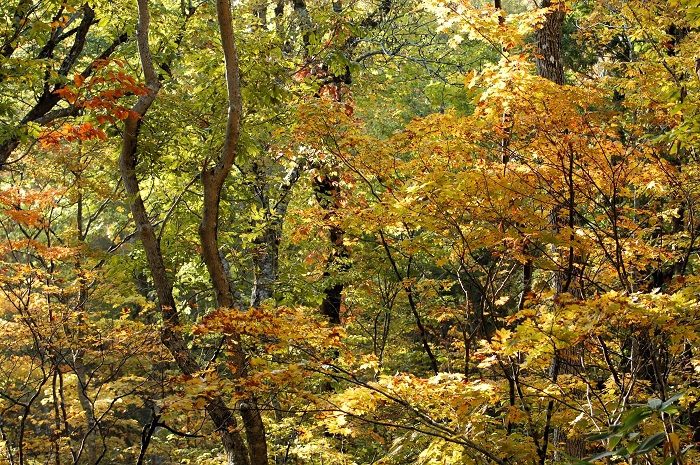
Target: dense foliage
<point x="388" y="231"/>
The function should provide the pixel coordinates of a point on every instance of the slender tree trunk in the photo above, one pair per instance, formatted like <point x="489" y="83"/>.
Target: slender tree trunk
<point x="212" y="181"/>
<point x="172" y="338"/>
<point x="88" y="446"/>
<point x="550" y="66"/>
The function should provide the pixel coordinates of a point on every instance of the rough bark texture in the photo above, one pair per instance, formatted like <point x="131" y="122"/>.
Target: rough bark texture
<point x="548" y="39"/>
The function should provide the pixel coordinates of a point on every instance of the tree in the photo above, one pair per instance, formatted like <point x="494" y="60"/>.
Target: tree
<point x="44" y="31"/>
<point x="328" y="249"/>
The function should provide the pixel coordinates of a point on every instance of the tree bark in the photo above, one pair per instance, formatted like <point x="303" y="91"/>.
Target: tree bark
<point x="212" y="181"/>
<point x="171" y="336"/>
<point x="266" y="254"/>
<point x="327" y="191"/>
<point x="42" y="112"/>
<point x="548" y="40"/>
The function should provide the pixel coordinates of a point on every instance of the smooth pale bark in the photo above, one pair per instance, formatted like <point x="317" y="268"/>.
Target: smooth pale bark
<point x="171" y="336"/>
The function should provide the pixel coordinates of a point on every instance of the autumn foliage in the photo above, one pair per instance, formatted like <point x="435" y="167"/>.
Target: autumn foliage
<point x="389" y="232"/>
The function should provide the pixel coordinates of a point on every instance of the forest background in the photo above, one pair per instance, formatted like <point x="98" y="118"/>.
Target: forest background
<point x="349" y="232"/>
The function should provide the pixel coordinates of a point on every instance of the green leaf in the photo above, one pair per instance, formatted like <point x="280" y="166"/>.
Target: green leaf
<point x="602" y="436"/>
<point x="671" y="410"/>
<point x="615" y="440"/>
<point x="624" y="451"/>
<point x="670" y="401"/>
<point x="651" y="442"/>
<point x="602" y="455"/>
<point x="635" y="417"/>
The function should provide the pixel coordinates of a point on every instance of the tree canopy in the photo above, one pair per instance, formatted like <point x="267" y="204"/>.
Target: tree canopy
<point x="349" y="232"/>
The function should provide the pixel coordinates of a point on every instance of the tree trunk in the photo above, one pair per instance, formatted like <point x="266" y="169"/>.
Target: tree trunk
<point x="327" y="191"/>
<point x="550" y="66"/>
<point x="171" y="336"/>
<point x="549" y="39"/>
<point x="212" y="181"/>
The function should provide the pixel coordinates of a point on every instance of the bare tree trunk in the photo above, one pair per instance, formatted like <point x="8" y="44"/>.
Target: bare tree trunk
<point x="172" y="338"/>
<point x="212" y="181"/>
<point x="548" y="39"/>
<point x="266" y="262"/>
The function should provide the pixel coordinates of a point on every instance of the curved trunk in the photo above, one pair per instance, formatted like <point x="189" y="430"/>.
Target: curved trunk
<point x="171" y="336"/>
<point x="212" y="181"/>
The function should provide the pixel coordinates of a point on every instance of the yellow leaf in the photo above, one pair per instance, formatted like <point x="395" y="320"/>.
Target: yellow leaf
<point x="502" y="301"/>
<point x="675" y="443"/>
